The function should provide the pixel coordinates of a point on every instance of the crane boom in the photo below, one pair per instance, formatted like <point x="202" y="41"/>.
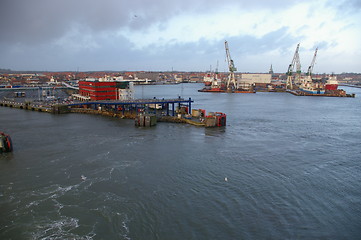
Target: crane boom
<point x="231" y="66"/>
<point x="310" y="68"/>
<point x="295" y="61"/>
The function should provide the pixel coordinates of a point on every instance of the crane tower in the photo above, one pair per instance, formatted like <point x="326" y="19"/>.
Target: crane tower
<point x="231" y="82"/>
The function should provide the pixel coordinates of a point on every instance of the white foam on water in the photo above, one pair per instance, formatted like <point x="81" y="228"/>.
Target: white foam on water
<point x="126" y="228"/>
<point x="110" y="172"/>
<point x="56" y="229"/>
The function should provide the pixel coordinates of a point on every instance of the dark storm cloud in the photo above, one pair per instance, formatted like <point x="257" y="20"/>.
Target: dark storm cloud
<point x="39" y="21"/>
<point x="60" y="35"/>
<point x="113" y="54"/>
<point x="43" y="20"/>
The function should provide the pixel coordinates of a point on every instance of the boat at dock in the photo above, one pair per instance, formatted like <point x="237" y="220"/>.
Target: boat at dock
<point x="223" y="90"/>
<point x="308" y="85"/>
<point x="312" y="89"/>
<point x="332" y="83"/>
<point x="208" y="79"/>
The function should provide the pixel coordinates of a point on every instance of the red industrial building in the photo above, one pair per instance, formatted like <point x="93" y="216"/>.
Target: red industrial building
<point x="102" y="90"/>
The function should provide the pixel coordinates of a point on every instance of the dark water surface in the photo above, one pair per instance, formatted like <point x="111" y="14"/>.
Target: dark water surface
<point x="293" y="166"/>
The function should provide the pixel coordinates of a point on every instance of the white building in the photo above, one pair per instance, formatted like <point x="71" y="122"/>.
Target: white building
<point x="250" y="79"/>
<point x="127" y="93"/>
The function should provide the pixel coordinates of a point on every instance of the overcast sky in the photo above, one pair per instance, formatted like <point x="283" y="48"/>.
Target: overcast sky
<point x="184" y="35"/>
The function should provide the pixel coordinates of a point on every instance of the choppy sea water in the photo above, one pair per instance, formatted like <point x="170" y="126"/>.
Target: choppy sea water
<point x="284" y="167"/>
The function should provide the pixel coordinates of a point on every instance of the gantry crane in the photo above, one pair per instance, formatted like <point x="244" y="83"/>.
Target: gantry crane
<point x="231" y="83"/>
<point x="295" y="61"/>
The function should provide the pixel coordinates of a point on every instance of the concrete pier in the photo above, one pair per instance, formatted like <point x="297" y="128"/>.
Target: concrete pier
<point x="146" y="112"/>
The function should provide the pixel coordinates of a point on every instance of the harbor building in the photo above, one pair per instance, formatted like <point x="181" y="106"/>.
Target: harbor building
<point x="105" y="89"/>
<point x="254" y="79"/>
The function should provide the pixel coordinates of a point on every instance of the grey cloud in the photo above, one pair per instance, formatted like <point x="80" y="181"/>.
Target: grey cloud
<point x="249" y="45"/>
<point x="200" y="55"/>
<point x="30" y="31"/>
<point x="40" y="21"/>
<point x="323" y="45"/>
<point x="345" y="8"/>
<point x="352" y="5"/>
<point x="116" y="53"/>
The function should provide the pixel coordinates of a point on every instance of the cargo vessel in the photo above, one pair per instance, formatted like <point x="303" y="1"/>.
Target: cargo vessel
<point x="208" y="79"/>
<point x="308" y="85"/>
<point x="332" y="83"/>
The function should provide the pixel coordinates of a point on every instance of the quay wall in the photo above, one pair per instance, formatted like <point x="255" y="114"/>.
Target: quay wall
<point x="26" y="106"/>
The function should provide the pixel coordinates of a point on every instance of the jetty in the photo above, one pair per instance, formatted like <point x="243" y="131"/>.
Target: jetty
<point x="146" y="112"/>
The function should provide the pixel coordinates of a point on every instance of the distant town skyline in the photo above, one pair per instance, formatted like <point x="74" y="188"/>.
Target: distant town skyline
<point x="119" y="35"/>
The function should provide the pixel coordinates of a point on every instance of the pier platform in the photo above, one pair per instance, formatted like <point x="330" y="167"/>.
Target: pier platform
<point x="334" y="93"/>
<point x="169" y="106"/>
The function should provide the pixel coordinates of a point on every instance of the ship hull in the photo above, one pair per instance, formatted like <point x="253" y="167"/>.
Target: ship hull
<point x="331" y="86"/>
<point x="211" y="90"/>
<point x="225" y="91"/>
<point x="319" y="91"/>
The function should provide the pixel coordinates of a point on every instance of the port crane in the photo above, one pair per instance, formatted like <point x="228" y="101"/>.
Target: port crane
<point x="215" y="78"/>
<point x="295" y="62"/>
<point x="310" y="68"/>
<point x="307" y="81"/>
<point x="231" y="78"/>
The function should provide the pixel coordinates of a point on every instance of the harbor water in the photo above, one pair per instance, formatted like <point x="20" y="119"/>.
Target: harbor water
<point x="284" y="167"/>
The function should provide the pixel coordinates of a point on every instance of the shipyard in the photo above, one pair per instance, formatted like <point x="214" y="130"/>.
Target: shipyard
<point x="296" y="83"/>
<point x="112" y="93"/>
